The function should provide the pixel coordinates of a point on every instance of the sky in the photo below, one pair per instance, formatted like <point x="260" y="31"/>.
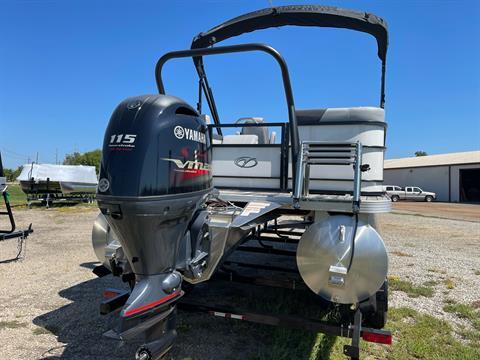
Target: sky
<point x="65" y="65"/>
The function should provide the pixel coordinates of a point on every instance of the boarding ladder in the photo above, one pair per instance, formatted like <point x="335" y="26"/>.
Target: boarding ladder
<point x="328" y="153"/>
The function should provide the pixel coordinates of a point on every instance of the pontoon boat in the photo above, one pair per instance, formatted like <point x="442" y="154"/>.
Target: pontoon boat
<point x="178" y="195"/>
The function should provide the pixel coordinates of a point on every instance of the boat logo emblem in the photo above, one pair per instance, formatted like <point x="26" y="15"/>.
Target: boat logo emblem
<point x="134" y="104"/>
<point x="179" y="132"/>
<point x="103" y="185"/>
<point x="246" y="162"/>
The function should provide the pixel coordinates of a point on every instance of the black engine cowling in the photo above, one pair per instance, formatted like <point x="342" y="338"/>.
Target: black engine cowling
<point x="155" y="173"/>
<point x="154" y="145"/>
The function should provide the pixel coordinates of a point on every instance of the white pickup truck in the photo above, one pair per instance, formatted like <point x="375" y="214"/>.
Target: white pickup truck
<point x="413" y="193"/>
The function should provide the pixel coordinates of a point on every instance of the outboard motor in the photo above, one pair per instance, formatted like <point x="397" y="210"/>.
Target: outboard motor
<point x="155" y="174"/>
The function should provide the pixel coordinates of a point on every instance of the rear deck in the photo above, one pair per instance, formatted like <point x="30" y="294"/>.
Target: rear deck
<point x="320" y="202"/>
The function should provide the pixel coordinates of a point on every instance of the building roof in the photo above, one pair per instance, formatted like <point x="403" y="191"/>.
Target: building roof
<point x="469" y="157"/>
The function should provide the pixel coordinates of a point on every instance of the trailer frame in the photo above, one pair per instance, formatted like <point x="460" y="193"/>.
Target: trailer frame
<point x="226" y="276"/>
<point x="12" y="233"/>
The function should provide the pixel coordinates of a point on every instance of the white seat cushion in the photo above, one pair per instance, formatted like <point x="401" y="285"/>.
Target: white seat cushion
<point x="240" y="139"/>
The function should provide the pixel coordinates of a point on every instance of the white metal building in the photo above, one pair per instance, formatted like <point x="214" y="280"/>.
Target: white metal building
<point x="455" y="177"/>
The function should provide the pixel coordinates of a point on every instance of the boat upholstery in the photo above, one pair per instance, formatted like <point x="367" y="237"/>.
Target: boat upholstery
<point x="240" y="139"/>
<point x="260" y="132"/>
<point x="340" y="115"/>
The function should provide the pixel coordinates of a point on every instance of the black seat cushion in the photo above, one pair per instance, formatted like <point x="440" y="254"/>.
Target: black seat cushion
<point x="340" y="116"/>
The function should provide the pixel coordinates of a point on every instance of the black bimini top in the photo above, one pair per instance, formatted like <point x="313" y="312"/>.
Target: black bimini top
<point x="300" y="15"/>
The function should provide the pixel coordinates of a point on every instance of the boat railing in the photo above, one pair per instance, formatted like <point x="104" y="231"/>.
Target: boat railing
<point x="283" y="145"/>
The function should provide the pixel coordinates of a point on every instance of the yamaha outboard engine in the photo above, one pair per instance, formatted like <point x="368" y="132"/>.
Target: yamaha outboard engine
<point x="155" y="174"/>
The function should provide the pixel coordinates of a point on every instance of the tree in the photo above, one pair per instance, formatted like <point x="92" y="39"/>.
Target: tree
<point x="11" y="174"/>
<point x="420" y="153"/>
<point x="91" y="158"/>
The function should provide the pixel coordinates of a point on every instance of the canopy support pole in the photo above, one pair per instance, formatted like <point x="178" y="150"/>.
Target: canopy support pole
<point x="195" y="53"/>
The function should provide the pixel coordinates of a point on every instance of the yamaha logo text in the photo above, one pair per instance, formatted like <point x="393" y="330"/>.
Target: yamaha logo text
<point x="181" y="132"/>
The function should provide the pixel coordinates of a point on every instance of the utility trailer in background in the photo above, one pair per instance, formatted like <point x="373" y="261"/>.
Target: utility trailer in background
<point x="12" y="232"/>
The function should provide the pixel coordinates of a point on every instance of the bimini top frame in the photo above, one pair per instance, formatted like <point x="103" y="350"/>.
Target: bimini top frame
<point x="299" y="15"/>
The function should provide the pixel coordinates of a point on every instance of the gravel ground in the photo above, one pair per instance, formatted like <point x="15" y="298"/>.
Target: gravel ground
<point x="424" y="249"/>
<point x="49" y="300"/>
<point x="450" y="211"/>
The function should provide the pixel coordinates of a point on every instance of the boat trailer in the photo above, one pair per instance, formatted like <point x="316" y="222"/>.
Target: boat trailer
<point x="346" y="327"/>
<point x="48" y="184"/>
<point x="249" y="266"/>
<point x="12" y="232"/>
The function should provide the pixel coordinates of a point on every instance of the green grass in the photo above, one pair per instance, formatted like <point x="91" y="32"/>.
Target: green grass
<point x="411" y="289"/>
<point x="16" y="195"/>
<point x="14" y="324"/>
<point x="467" y="312"/>
<point x="415" y="336"/>
<point x="286" y="344"/>
<point x="400" y="253"/>
<point x="430" y="283"/>
<point x="18" y="198"/>
<point x="40" y="331"/>
<point x="437" y="271"/>
<point x="425" y="337"/>
<point x="473" y="337"/>
<point x="463" y="311"/>
<point x="419" y="336"/>
<point x="75" y="207"/>
<point x="449" y="283"/>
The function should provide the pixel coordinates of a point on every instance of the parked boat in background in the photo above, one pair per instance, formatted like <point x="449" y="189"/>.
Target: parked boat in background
<point x="48" y="182"/>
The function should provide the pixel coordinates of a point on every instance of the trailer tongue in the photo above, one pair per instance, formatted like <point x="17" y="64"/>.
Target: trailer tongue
<point x="12" y="232"/>
<point x="179" y="199"/>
